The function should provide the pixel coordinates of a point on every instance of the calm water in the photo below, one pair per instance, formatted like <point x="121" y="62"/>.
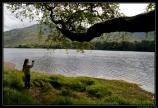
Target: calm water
<point x="135" y="67"/>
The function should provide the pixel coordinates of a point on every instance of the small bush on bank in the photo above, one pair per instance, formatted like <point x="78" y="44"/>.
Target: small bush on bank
<point x="98" y="91"/>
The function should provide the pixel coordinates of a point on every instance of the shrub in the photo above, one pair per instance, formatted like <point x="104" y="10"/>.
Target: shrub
<point x="75" y="84"/>
<point x="87" y="81"/>
<point x="38" y="83"/>
<point x="66" y="92"/>
<point x="56" y="81"/>
<point x="98" y="91"/>
<point x="42" y="83"/>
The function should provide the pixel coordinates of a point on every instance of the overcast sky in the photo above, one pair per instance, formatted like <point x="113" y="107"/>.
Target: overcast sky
<point x="11" y="22"/>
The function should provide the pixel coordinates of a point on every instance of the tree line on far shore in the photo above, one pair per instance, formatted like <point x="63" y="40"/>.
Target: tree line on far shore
<point x="143" y="45"/>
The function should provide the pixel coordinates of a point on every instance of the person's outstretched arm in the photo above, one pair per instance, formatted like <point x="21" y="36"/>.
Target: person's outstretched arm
<point x="32" y="64"/>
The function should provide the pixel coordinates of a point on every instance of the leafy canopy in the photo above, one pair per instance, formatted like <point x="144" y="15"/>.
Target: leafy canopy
<point x="73" y="16"/>
<point x="150" y="7"/>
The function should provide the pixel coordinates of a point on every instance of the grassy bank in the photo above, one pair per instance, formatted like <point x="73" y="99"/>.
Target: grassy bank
<point x="58" y="89"/>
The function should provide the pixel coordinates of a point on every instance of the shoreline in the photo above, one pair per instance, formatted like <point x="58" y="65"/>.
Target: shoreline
<point x="72" y="90"/>
<point x="84" y="49"/>
<point x="10" y="65"/>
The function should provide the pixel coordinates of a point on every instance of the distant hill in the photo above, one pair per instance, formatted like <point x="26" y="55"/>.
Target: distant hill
<point x="25" y="35"/>
<point x="30" y="35"/>
<point x="136" y="36"/>
<point x="143" y="36"/>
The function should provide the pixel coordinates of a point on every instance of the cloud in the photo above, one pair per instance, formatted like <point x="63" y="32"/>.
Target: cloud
<point x="132" y="9"/>
<point x="11" y="22"/>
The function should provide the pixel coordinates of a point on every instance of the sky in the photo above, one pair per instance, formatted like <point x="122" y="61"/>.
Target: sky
<point x="11" y="22"/>
<point x="132" y="9"/>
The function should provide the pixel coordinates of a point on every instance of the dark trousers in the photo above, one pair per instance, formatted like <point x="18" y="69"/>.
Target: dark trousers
<point x="27" y="81"/>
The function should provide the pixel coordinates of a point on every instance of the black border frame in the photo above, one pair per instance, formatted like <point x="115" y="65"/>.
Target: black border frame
<point x="121" y="1"/>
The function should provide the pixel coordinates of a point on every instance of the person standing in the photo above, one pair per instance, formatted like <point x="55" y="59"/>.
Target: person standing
<point x="26" y="70"/>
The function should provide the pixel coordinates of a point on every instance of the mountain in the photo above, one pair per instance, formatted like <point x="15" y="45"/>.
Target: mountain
<point x="30" y="35"/>
<point x="118" y="36"/>
<point x="143" y="35"/>
<point x="27" y="35"/>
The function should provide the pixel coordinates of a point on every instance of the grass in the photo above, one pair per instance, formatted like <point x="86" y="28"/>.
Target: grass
<point x="99" y="91"/>
<point x="13" y="97"/>
<point x="55" y="89"/>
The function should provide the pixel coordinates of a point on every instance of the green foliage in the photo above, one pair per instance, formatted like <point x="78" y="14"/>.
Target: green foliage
<point x="57" y="81"/>
<point x="121" y="100"/>
<point x="38" y="83"/>
<point x="28" y="38"/>
<point x="99" y="91"/>
<point x="150" y="7"/>
<point x="60" y="90"/>
<point x="126" y="46"/>
<point x="74" y="15"/>
<point x="71" y="83"/>
<point x="121" y="46"/>
<point x="14" y="97"/>
<point x="66" y="92"/>
<point x="63" y="100"/>
<point x="118" y="100"/>
<point x="13" y="80"/>
<point x="81" y="83"/>
<point x="77" y="85"/>
<point x="87" y="81"/>
<point x="25" y="37"/>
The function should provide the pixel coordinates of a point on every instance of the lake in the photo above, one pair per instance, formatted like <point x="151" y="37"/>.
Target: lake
<point x="137" y="67"/>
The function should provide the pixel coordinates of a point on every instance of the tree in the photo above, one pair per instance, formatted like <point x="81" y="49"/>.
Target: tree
<point x="85" y="21"/>
<point x="150" y="7"/>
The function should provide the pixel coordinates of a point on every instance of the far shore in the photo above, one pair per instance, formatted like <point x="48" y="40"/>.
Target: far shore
<point x="79" y="49"/>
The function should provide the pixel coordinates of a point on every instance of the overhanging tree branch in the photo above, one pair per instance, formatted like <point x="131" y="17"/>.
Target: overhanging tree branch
<point x="49" y="8"/>
<point x="59" y="15"/>
<point x="140" y="23"/>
